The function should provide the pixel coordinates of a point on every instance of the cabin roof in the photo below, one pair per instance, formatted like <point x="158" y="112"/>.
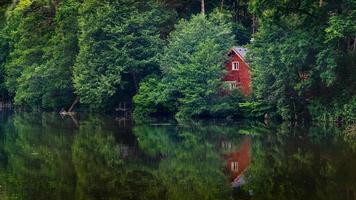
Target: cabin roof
<point x="241" y="50"/>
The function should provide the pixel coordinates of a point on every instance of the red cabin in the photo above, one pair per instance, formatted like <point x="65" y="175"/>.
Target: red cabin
<point x="238" y="72"/>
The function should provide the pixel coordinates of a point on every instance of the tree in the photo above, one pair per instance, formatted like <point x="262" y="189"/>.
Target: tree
<point x="4" y="48"/>
<point x="43" y="48"/>
<point x="192" y="65"/>
<point x="297" y="55"/>
<point x="3" y="55"/>
<point x="119" y="42"/>
<point x="30" y="27"/>
<point x="60" y="56"/>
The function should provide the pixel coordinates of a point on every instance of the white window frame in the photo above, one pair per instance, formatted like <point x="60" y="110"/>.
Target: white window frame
<point x="234" y="166"/>
<point x="234" y="64"/>
<point x="231" y="84"/>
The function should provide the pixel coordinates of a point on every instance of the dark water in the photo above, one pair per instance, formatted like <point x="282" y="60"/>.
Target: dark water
<point x="45" y="157"/>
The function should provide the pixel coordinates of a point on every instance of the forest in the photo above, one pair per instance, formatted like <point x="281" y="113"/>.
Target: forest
<point x="166" y="57"/>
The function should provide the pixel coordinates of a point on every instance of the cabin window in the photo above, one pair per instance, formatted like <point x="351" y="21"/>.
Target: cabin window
<point x="235" y="66"/>
<point x="234" y="166"/>
<point x="231" y="85"/>
<point x="226" y="144"/>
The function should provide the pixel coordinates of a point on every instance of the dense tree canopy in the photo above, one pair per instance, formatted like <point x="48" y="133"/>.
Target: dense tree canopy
<point x="51" y="50"/>
<point x="302" y="55"/>
<point x="42" y="49"/>
<point x="118" y="39"/>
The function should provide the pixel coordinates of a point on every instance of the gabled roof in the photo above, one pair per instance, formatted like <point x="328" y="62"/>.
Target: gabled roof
<point x="241" y="51"/>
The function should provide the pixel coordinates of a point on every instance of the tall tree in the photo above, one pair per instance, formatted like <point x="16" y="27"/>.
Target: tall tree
<point x="191" y="68"/>
<point x="4" y="47"/>
<point x="119" y="39"/>
<point x="60" y="56"/>
<point x="43" y="50"/>
<point x="30" y="27"/>
<point x="202" y="7"/>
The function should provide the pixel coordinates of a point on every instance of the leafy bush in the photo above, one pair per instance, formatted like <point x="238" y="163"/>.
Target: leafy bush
<point x="256" y="109"/>
<point x="337" y="110"/>
<point x="153" y="98"/>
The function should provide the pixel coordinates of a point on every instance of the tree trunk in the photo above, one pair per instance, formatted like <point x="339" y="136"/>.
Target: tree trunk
<point x="237" y="11"/>
<point x="134" y="78"/>
<point x="202" y="7"/>
<point x="222" y="5"/>
<point x="253" y="24"/>
<point x="73" y="104"/>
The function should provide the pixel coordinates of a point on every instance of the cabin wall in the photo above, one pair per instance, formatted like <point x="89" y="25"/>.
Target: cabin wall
<point x="242" y="75"/>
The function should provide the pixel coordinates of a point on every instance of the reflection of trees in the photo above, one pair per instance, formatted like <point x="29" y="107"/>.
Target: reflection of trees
<point x="44" y="157"/>
<point x="38" y="159"/>
<point x="194" y="171"/>
<point x="156" y="141"/>
<point x="98" y="164"/>
<point x="102" y="171"/>
<point x="191" y="166"/>
<point x="301" y="164"/>
<point x="3" y="157"/>
<point x="349" y="135"/>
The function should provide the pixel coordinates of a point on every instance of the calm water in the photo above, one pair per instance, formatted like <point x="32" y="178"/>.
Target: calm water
<point x="45" y="157"/>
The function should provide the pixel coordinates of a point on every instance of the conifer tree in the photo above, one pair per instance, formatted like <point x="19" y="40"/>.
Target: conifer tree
<point x="119" y="39"/>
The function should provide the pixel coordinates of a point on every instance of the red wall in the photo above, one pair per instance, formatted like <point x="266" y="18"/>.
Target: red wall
<point x="243" y="74"/>
<point x="242" y="156"/>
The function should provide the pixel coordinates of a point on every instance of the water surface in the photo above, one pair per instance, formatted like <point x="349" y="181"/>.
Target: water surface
<point x="45" y="157"/>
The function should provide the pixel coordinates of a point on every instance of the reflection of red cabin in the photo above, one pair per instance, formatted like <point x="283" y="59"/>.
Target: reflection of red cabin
<point x="238" y="161"/>
<point x="238" y="72"/>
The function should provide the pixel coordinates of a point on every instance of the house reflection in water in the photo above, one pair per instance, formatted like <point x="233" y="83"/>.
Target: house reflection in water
<point x="238" y="159"/>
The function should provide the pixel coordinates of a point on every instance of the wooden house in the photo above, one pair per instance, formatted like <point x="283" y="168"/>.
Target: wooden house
<point x="238" y="74"/>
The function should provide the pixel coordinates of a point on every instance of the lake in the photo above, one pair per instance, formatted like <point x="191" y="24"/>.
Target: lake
<point x="44" y="156"/>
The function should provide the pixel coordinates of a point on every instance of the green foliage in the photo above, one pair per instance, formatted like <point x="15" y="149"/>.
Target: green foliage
<point x="60" y="56"/>
<point x="334" y="111"/>
<point x="118" y="39"/>
<point x="277" y="56"/>
<point x="4" y="47"/>
<point x="191" y="66"/>
<point x="302" y="56"/>
<point x="154" y="98"/>
<point x="256" y="109"/>
<point x="4" y="50"/>
<point x="43" y="48"/>
<point x="105" y="47"/>
<point x="299" y="53"/>
<point x="228" y="105"/>
<point x="29" y="30"/>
